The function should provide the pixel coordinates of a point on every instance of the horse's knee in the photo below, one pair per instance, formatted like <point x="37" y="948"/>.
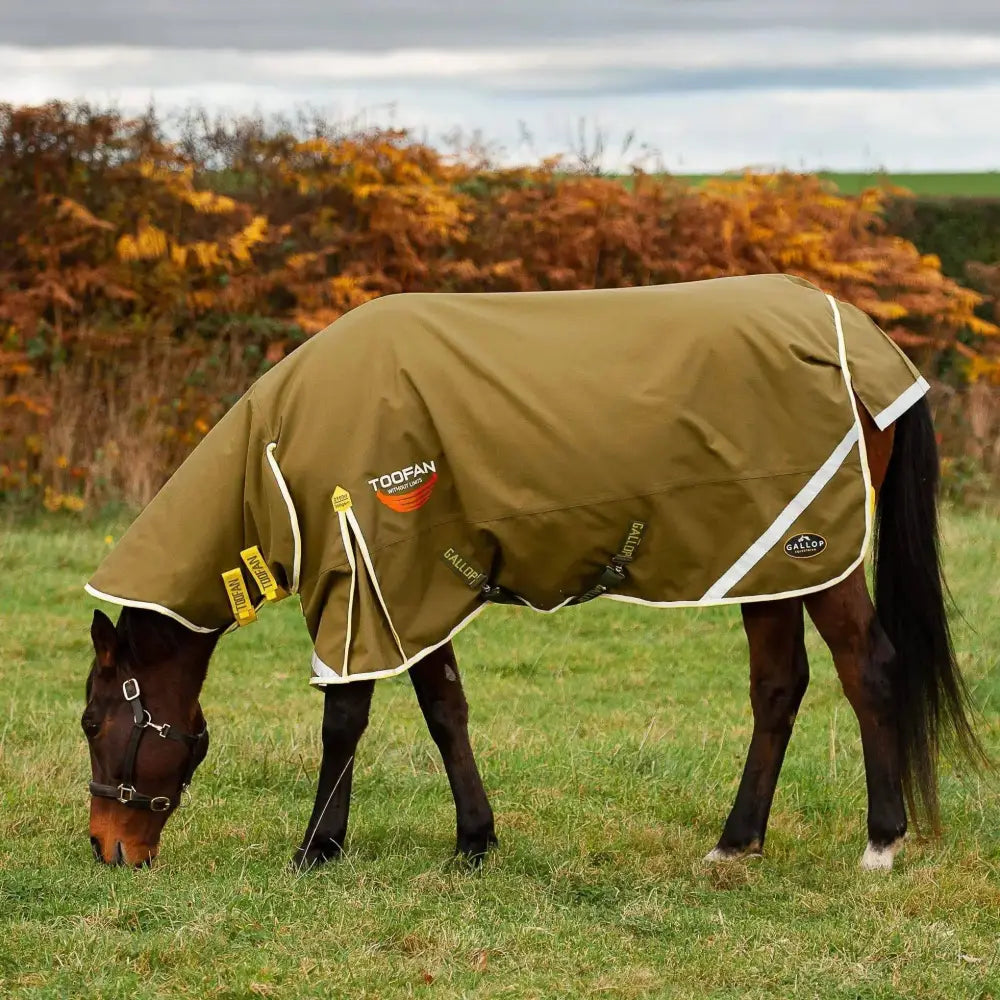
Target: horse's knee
<point x="447" y="717"/>
<point x="868" y="673"/>
<point x="775" y="700"/>
<point x="440" y="694"/>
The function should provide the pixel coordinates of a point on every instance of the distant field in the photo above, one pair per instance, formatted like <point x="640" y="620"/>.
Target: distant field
<point x="981" y="185"/>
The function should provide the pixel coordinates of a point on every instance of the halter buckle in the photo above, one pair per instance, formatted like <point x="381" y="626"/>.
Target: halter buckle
<point x="159" y="803"/>
<point x="126" y="793"/>
<point x="134" y="689"/>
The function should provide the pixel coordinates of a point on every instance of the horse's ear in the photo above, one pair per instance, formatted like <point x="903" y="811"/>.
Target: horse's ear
<point x="105" y="639"/>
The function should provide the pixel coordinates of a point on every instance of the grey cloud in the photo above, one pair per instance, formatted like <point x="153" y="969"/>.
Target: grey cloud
<point x="666" y="81"/>
<point x="377" y="25"/>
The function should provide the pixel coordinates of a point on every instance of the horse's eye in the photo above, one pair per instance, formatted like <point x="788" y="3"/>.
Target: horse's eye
<point x="90" y="725"/>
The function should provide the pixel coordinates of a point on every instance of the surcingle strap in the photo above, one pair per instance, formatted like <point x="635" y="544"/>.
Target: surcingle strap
<point x="614" y="574"/>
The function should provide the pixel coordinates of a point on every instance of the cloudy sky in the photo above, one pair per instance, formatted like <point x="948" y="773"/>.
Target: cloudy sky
<point x="703" y="84"/>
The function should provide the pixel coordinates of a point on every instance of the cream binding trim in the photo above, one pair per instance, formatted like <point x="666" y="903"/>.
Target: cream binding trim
<point x="324" y="674"/>
<point x="127" y="602"/>
<point x="350" y="531"/>
<point x="296" y="562"/>
<point x="293" y="519"/>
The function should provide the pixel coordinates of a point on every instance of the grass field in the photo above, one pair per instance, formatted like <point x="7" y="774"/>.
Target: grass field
<point x="958" y="185"/>
<point x="611" y="740"/>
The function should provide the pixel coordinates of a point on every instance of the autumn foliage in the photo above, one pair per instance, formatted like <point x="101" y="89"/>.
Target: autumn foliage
<point x="145" y="282"/>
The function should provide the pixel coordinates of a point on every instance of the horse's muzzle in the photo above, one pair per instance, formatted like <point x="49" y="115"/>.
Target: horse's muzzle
<point x="118" y="857"/>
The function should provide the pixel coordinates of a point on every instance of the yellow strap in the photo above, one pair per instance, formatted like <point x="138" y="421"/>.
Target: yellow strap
<point x="341" y="500"/>
<point x="239" y="599"/>
<point x="261" y="572"/>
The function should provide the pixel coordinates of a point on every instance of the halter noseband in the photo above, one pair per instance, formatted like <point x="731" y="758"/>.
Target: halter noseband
<point x="125" y="793"/>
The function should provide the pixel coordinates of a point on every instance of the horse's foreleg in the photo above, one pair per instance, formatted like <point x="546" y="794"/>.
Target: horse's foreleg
<point x="442" y="700"/>
<point x="865" y="661"/>
<point x="779" y="675"/>
<point x="345" y="717"/>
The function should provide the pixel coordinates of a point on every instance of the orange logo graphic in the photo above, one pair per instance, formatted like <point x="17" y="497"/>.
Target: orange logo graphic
<point x="406" y="489"/>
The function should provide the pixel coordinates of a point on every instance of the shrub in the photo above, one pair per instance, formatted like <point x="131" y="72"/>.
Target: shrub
<point x="146" y="282"/>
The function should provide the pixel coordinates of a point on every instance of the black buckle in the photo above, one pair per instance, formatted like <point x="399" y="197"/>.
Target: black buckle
<point x="496" y="594"/>
<point x="613" y="575"/>
<point x="125" y="689"/>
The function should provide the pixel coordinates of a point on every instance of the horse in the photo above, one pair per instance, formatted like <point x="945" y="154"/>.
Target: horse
<point x="523" y="431"/>
<point x="893" y="655"/>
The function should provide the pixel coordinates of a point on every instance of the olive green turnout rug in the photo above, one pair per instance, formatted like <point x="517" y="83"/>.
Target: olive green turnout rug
<point x="429" y="454"/>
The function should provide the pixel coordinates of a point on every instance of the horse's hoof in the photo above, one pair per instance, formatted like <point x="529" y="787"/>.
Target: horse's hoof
<point x="720" y="853"/>
<point x="474" y="847"/>
<point x="317" y="854"/>
<point x="879" y="859"/>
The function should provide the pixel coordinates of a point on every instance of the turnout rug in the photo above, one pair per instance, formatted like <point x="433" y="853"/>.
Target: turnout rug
<point x="430" y="454"/>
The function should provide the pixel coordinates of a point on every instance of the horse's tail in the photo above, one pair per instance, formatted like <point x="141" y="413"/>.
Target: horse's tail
<point x="910" y="600"/>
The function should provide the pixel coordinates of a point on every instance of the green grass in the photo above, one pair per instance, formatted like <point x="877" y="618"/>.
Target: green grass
<point x="955" y="185"/>
<point x="611" y="740"/>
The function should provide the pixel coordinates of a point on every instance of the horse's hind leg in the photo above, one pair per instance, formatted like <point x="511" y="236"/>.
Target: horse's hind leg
<point x="345" y="717"/>
<point x="442" y="700"/>
<point x="865" y="659"/>
<point x="779" y="675"/>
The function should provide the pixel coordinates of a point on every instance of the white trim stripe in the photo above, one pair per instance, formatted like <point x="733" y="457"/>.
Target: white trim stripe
<point x="147" y="605"/>
<point x="783" y="521"/>
<point x="292" y="516"/>
<point x="349" y="549"/>
<point x="902" y="403"/>
<point x="365" y="555"/>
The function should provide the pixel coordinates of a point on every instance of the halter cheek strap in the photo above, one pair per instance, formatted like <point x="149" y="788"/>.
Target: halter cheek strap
<point x="125" y="793"/>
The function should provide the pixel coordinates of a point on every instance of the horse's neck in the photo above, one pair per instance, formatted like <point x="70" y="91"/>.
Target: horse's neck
<point x="174" y="652"/>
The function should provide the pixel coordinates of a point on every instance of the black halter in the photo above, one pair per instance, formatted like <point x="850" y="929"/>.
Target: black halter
<point x="125" y="793"/>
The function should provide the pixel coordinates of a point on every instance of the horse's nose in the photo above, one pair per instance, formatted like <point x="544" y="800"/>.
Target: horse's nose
<point x="118" y="856"/>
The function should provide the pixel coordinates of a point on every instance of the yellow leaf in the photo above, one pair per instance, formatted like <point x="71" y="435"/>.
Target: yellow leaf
<point x="126" y="248"/>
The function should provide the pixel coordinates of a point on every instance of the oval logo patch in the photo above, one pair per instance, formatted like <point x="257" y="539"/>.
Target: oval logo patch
<point x="805" y="545"/>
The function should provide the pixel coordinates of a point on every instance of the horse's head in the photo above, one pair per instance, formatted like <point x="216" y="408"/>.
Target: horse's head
<point x="145" y="729"/>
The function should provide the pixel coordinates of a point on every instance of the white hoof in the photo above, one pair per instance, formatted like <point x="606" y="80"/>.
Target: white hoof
<point x="721" y="854"/>
<point x="717" y="854"/>
<point x="876" y="859"/>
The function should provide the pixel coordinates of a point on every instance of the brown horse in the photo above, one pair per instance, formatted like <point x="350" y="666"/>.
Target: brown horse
<point x="147" y="733"/>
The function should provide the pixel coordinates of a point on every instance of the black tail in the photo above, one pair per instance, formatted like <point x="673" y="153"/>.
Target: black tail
<point x="910" y="602"/>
